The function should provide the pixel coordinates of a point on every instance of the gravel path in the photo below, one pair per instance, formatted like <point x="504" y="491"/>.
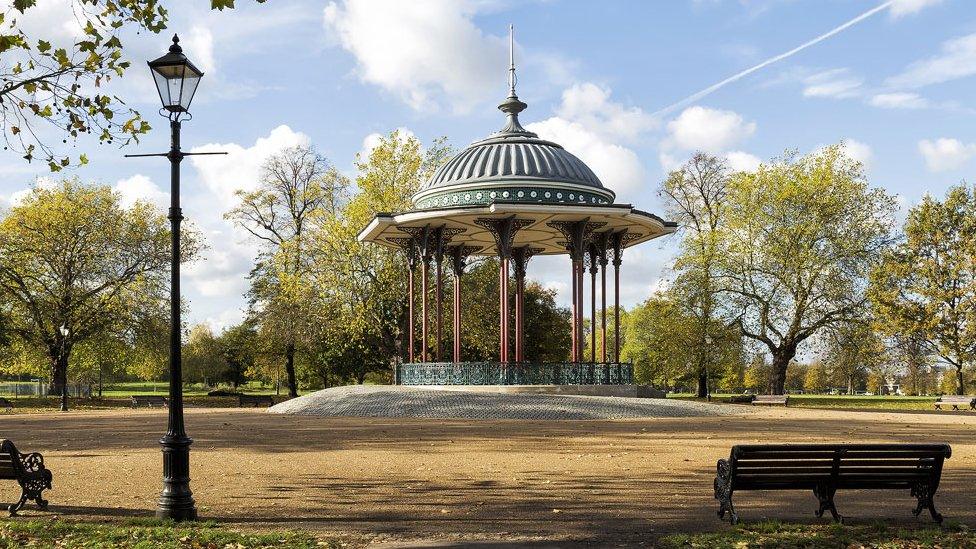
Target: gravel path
<point x="417" y="402"/>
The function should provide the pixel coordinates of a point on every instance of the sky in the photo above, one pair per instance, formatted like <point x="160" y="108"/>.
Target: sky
<point x="631" y="87"/>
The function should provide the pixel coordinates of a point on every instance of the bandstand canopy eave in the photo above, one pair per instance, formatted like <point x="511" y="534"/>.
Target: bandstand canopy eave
<point x="386" y="228"/>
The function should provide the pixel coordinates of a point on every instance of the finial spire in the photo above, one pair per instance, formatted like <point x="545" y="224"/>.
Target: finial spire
<point x="512" y="106"/>
<point x="511" y="57"/>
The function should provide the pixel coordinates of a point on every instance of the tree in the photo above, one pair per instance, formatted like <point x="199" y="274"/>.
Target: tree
<point x="912" y="352"/>
<point x="296" y="185"/>
<point x="203" y="359"/>
<point x="853" y="349"/>
<point x="360" y="289"/>
<point x="61" y="86"/>
<point x="926" y="285"/>
<point x="800" y="236"/>
<point x="696" y="194"/>
<point x="816" y="379"/>
<point x="237" y="347"/>
<point x="72" y="256"/>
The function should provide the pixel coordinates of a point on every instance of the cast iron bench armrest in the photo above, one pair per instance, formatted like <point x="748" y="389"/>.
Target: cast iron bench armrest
<point x="29" y="472"/>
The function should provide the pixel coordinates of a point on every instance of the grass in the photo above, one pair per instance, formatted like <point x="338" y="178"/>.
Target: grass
<point x="146" y="534"/>
<point x="877" y="402"/>
<point x="797" y="536"/>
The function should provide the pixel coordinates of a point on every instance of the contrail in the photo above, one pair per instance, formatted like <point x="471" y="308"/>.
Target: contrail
<point x="708" y="91"/>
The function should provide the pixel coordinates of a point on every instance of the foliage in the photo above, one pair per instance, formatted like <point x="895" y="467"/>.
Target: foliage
<point x="796" y="536"/>
<point x="817" y="379"/>
<point x="662" y="342"/>
<point x="853" y="349"/>
<point x="696" y="194"/>
<point x="54" y="87"/>
<point x="144" y="533"/>
<point x="72" y="257"/>
<point x="926" y="285"/>
<point x="297" y="188"/>
<point x="800" y="236"/>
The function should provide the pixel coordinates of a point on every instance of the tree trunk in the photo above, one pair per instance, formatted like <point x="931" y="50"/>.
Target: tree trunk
<point x="850" y="384"/>
<point x="290" y="370"/>
<point x="702" y="384"/>
<point x="59" y="365"/>
<point x="781" y="360"/>
<point x="960" y="382"/>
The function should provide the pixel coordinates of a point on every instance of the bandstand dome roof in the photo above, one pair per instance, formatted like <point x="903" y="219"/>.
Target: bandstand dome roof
<point x="514" y="173"/>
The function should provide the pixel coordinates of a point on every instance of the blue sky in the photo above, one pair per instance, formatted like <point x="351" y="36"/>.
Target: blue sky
<point x="897" y="85"/>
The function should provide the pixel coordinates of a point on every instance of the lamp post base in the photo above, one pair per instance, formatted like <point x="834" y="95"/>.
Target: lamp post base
<point x="176" y="500"/>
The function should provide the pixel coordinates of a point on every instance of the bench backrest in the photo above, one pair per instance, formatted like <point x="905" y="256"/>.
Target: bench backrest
<point x="9" y="460"/>
<point x="148" y="399"/>
<point x="841" y="465"/>
<point x="775" y="399"/>
<point x="956" y="399"/>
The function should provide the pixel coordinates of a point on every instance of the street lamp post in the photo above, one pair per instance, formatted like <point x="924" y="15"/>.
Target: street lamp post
<point x="64" y="368"/>
<point x="176" y="81"/>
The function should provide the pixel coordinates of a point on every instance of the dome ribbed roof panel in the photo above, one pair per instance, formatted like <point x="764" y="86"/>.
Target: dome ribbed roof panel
<point x="506" y="158"/>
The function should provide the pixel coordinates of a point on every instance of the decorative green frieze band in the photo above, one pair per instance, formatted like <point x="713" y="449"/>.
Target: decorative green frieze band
<point x="537" y="195"/>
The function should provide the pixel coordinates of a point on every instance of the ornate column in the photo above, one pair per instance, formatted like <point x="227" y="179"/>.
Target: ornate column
<point x="458" y="255"/>
<point x="601" y="240"/>
<point x="503" y="230"/>
<point x="409" y="246"/>
<point x="577" y="234"/>
<point x="423" y="239"/>
<point x="439" y="238"/>
<point x="520" y="258"/>
<point x="593" y="260"/>
<point x="618" y="241"/>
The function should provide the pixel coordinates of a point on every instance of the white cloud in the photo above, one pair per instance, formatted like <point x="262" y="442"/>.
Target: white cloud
<point x="200" y="42"/>
<point x="833" y="83"/>
<point x="859" y="151"/>
<point x="140" y="188"/>
<point x="240" y="168"/>
<point x="221" y="273"/>
<point x="709" y="130"/>
<point x="946" y="154"/>
<point x="901" y="8"/>
<point x="618" y="167"/>
<point x="424" y="52"/>
<point x="957" y="60"/>
<point x="590" y="105"/>
<point x="742" y="161"/>
<point x="898" y="100"/>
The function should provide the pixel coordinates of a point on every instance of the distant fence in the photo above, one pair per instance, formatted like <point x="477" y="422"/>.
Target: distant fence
<point x="40" y="389"/>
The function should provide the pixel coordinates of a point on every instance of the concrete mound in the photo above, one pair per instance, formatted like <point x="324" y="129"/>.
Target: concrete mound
<point x="420" y="402"/>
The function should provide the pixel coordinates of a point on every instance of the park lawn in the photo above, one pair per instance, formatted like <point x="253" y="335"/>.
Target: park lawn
<point x="859" y="402"/>
<point x="65" y="534"/>
<point x="796" y="536"/>
<point x="33" y="405"/>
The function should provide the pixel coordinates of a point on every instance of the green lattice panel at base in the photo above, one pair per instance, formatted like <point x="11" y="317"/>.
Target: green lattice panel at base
<point x="496" y="373"/>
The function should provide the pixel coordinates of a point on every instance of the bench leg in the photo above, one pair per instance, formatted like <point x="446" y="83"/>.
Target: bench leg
<point x="825" y="495"/>
<point x="925" y="501"/>
<point x="723" y="491"/>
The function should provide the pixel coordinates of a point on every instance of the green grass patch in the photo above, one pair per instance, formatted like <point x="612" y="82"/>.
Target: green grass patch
<point x="860" y="402"/>
<point x="808" y="536"/>
<point x="145" y="534"/>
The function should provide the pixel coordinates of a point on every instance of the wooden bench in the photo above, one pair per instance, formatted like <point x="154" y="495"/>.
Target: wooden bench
<point x="955" y="401"/>
<point x="771" y="400"/>
<point x="5" y="403"/>
<point x="151" y="401"/>
<point x="29" y="472"/>
<point x="255" y="400"/>
<point x="826" y="468"/>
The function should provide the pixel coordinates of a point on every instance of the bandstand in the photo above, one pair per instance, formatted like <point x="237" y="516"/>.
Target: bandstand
<point x="513" y="196"/>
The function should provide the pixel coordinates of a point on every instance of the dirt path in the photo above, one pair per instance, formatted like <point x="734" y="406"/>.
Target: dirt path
<point x="385" y="480"/>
